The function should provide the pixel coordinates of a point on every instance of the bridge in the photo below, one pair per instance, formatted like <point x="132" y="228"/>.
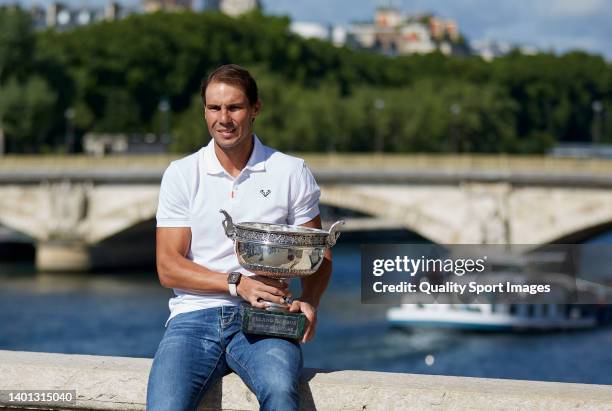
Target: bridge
<point x="81" y="211"/>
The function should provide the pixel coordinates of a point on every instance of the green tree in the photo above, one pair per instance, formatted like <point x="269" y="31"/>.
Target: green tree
<point x="189" y="131"/>
<point x="16" y="42"/>
<point x="26" y="113"/>
<point x="121" y="113"/>
<point x="317" y="96"/>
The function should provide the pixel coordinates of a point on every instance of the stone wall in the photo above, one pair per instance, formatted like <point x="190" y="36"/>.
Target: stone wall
<point x="118" y="383"/>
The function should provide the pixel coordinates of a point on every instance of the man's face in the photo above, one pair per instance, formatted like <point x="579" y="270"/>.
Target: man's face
<point x="229" y="115"/>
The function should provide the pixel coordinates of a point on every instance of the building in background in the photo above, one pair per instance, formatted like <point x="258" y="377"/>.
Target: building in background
<point x="39" y="17"/>
<point x="151" y="6"/>
<point x="489" y="49"/>
<point x="393" y="32"/>
<point x="113" y="11"/>
<point x="63" y="17"/>
<point x="309" y="30"/>
<point x="234" y="7"/>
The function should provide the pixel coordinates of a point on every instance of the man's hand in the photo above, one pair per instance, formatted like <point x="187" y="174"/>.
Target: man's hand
<point x="311" y="314"/>
<point x="257" y="290"/>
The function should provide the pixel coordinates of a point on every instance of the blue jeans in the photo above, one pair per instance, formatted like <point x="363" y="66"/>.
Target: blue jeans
<point x="200" y="347"/>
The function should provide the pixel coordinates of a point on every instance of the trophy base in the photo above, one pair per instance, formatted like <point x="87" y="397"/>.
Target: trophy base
<point x="280" y="324"/>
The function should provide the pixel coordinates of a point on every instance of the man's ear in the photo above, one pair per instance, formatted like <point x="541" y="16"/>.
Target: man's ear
<point x="257" y="108"/>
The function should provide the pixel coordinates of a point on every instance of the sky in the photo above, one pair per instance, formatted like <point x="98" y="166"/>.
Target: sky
<point x="558" y="25"/>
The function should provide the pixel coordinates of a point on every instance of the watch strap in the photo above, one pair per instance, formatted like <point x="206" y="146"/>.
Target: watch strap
<point x="233" y="279"/>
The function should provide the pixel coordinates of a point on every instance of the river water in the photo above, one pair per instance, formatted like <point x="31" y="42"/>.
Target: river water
<point x="123" y="314"/>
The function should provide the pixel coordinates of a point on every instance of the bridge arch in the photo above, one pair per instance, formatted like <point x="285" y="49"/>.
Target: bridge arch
<point x="558" y="215"/>
<point x="583" y="234"/>
<point x="19" y="210"/>
<point x="382" y="207"/>
<point x="115" y="210"/>
<point x="132" y="247"/>
<point x="18" y="225"/>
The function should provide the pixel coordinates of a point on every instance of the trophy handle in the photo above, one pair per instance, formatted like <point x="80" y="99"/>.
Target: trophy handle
<point x="228" y="225"/>
<point x="334" y="233"/>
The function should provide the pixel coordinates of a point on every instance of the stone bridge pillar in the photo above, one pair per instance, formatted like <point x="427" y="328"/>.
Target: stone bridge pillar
<point x="65" y="247"/>
<point x="59" y="256"/>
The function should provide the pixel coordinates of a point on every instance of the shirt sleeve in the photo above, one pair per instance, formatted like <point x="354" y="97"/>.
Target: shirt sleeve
<point x="305" y="195"/>
<point x="173" y="206"/>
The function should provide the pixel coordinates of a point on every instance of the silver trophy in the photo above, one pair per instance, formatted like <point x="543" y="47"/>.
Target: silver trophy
<point x="282" y="252"/>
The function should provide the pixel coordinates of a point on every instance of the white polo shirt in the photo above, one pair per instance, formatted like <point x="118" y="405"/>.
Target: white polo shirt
<point x="272" y="188"/>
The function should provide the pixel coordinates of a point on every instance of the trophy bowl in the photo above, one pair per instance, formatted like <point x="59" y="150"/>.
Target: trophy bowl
<point x="279" y="250"/>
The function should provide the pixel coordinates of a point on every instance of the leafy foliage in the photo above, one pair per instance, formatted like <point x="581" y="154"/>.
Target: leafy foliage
<point x="16" y="42"/>
<point x="316" y="97"/>
<point x="25" y="109"/>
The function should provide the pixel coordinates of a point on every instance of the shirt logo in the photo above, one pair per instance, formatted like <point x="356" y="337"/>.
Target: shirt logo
<point x="265" y="192"/>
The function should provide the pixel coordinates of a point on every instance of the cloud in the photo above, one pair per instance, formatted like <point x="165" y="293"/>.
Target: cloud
<point x="572" y="8"/>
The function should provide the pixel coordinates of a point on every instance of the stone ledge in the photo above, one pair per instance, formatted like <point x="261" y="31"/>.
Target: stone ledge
<point x="118" y="383"/>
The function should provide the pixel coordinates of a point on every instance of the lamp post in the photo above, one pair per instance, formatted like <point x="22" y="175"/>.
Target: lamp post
<point x="1" y="140"/>
<point x="69" y="137"/>
<point x="455" y="110"/>
<point x="597" y="107"/>
<point x="379" y="105"/>
<point x="164" y="109"/>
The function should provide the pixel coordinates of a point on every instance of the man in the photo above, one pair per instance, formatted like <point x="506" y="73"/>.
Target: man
<point x="235" y="172"/>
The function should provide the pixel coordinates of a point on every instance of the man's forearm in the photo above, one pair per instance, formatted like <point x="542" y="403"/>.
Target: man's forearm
<point x="180" y="272"/>
<point x="313" y="286"/>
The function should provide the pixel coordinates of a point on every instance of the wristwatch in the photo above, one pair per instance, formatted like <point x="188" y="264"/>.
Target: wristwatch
<point x="233" y="279"/>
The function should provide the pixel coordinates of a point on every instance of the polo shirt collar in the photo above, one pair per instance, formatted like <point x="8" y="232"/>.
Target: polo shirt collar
<point x="257" y="161"/>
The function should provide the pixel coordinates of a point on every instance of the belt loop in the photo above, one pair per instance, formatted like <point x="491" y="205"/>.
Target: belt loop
<point x="227" y="315"/>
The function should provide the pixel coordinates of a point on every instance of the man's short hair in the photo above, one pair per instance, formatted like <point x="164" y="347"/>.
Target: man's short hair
<point x="236" y="76"/>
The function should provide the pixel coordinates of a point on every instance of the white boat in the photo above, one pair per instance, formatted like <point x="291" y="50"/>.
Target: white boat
<point x="553" y="313"/>
<point x="494" y="317"/>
